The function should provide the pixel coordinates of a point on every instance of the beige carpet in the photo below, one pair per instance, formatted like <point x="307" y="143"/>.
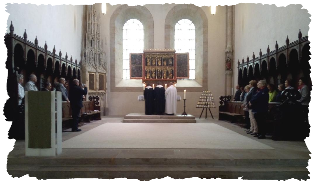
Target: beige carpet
<point x="162" y="135"/>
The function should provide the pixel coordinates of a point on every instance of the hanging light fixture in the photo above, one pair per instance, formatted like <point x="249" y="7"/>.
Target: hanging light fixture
<point x="213" y="10"/>
<point x="103" y="8"/>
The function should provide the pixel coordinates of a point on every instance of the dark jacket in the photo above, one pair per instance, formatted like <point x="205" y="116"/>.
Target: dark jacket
<point x="260" y="101"/>
<point x="237" y="95"/>
<point x="76" y="96"/>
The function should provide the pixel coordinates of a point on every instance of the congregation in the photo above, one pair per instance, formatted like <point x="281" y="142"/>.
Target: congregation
<point x="74" y="98"/>
<point x="292" y="102"/>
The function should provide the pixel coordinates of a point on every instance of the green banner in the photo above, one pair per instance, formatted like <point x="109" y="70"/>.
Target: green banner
<point x="39" y="119"/>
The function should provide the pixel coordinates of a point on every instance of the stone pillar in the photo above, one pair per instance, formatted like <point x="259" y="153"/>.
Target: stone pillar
<point x="229" y="52"/>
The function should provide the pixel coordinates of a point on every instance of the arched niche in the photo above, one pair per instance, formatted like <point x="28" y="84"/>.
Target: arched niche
<point x="245" y="77"/>
<point x="79" y="74"/>
<point x="57" y="69"/>
<point x="240" y="79"/>
<point x="41" y="63"/>
<point x="19" y="62"/>
<point x="63" y="71"/>
<point x="264" y="72"/>
<point x="251" y="75"/>
<point x="294" y="66"/>
<point x="282" y="68"/>
<point x="74" y="73"/>
<point x="272" y="67"/>
<point x="257" y="73"/>
<point x="30" y="64"/>
<point x="49" y="67"/>
<point x="69" y="73"/>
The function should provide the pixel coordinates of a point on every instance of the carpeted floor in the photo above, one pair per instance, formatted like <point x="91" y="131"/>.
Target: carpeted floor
<point x="162" y="135"/>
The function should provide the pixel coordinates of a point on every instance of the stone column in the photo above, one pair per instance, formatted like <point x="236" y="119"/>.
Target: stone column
<point x="229" y="52"/>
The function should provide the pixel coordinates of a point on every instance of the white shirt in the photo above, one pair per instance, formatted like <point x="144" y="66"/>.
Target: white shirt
<point x="21" y="93"/>
<point x="30" y="86"/>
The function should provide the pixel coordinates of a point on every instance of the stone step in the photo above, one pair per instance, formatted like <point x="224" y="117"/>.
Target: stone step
<point x="143" y="116"/>
<point x="60" y="161"/>
<point x="159" y="121"/>
<point x="153" y="180"/>
<point x="147" y="172"/>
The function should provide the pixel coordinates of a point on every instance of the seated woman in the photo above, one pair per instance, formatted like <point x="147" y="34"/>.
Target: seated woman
<point x="272" y="93"/>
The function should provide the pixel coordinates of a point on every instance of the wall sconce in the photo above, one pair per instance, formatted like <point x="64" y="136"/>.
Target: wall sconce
<point x="213" y="10"/>
<point x="104" y="8"/>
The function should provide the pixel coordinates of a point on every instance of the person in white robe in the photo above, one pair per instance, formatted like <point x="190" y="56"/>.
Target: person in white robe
<point x="171" y="99"/>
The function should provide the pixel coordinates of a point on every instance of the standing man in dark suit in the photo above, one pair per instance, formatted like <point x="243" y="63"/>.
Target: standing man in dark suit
<point x="76" y="96"/>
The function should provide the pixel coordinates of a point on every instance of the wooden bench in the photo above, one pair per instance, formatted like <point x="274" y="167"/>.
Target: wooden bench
<point x="233" y="111"/>
<point x="230" y="110"/>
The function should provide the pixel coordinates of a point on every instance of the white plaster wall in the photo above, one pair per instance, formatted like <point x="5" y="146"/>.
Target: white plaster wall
<point x="59" y="26"/>
<point x="122" y="103"/>
<point x="257" y="26"/>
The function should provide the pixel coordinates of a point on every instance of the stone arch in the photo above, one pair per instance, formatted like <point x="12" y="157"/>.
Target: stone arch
<point x="200" y="21"/>
<point x="119" y="17"/>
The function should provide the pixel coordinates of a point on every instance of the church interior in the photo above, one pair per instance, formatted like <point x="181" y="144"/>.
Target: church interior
<point x="207" y="54"/>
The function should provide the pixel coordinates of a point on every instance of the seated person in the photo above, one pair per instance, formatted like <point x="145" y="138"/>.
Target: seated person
<point x="272" y="93"/>
<point x="47" y="87"/>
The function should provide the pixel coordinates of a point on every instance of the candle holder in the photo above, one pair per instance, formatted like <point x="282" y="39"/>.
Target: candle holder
<point x="184" y="113"/>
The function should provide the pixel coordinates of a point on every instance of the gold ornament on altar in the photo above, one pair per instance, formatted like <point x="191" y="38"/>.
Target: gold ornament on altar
<point x="159" y="61"/>
<point x="153" y="73"/>
<point x="148" y="61"/>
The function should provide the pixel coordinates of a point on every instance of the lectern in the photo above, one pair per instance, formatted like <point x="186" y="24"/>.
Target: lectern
<point x="43" y="126"/>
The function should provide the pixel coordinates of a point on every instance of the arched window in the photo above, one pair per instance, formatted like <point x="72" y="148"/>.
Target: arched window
<point x="133" y="42"/>
<point x="184" y="41"/>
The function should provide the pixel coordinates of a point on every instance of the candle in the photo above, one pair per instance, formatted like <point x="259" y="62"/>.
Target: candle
<point x="153" y="86"/>
<point x="143" y="86"/>
<point x="2" y="80"/>
<point x="184" y="95"/>
<point x="165" y="86"/>
<point x="175" y="85"/>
